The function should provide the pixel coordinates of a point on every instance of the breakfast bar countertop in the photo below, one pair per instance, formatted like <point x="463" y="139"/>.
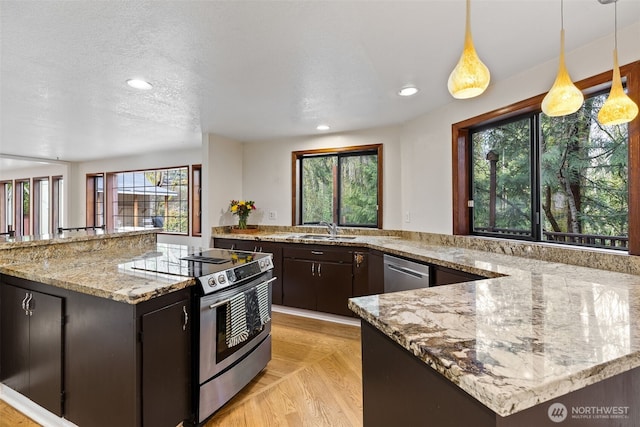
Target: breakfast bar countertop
<point x="113" y="273"/>
<point x="534" y="331"/>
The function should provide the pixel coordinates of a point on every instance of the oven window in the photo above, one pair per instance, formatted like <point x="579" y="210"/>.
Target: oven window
<point x="253" y="324"/>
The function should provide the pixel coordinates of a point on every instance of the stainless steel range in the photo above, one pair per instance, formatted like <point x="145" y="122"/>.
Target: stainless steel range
<point x="234" y="323"/>
<point x="232" y="332"/>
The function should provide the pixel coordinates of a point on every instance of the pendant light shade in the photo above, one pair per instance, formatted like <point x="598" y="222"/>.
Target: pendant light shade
<point x="618" y="108"/>
<point x="564" y="97"/>
<point x="470" y="77"/>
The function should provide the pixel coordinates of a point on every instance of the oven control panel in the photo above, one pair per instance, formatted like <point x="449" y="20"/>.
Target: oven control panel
<point x="231" y="276"/>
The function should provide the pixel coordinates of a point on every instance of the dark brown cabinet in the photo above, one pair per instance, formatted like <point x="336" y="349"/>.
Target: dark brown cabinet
<point x="446" y="276"/>
<point x="368" y="273"/>
<point x="135" y="358"/>
<point x="273" y="248"/>
<point x="317" y="278"/>
<point x="323" y="277"/>
<point x="31" y="345"/>
<point x="166" y="366"/>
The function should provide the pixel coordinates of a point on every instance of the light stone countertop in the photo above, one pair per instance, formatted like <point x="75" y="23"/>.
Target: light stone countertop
<point x="117" y="273"/>
<point x="534" y="331"/>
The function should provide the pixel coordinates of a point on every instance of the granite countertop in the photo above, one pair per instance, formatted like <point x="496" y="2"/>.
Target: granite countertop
<point x="116" y="274"/>
<point x="7" y="242"/>
<point x="534" y="331"/>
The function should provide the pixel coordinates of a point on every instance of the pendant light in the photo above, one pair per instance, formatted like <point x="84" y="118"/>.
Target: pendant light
<point x="564" y="97"/>
<point x="470" y="77"/>
<point x="618" y="108"/>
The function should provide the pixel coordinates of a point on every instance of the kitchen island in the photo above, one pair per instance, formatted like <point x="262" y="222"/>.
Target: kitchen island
<point x="529" y="349"/>
<point x="90" y="333"/>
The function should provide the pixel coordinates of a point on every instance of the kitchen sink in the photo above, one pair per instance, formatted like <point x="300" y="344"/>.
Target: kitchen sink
<point x="324" y="237"/>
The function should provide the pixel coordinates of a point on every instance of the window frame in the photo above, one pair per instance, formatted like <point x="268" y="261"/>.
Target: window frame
<point x="461" y="150"/>
<point x="110" y="198"/>
<point x="296" y="172"/>
<point x="36" y="200"/>
<point x="22" y="227"/>
<point x="196" y="200"/>
<point x="8" y="211"/>
<point x="57" y="202"/>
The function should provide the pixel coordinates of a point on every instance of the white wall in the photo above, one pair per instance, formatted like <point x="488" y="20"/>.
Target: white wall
<point x="223" y="180"/>
<point x="267" y="172"/>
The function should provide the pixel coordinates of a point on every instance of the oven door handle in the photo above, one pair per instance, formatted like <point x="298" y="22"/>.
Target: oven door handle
<point x="226" y="301"/>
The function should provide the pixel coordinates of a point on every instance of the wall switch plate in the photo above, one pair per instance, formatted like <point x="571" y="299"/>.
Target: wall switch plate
<point x="407" y="216"/>
<point x="273" y="215"/>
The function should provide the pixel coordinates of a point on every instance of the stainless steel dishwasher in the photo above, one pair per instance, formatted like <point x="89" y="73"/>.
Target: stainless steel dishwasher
<point x="402" y="275"/>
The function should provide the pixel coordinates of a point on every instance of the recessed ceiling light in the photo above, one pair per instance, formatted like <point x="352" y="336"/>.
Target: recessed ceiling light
<point x="139" y="84"/>
<point x="408" y="91"/>
<point x="323" y="127"/>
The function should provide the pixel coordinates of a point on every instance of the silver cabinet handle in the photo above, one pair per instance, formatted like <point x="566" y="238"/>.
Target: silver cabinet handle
<point x="317" y="253"/>
<point x="313" y="268"/>
<point x="24" y="301"/>
<point x="186" y="318"/>
<point x="27" y="305"/>
<point x="319" y="272"/>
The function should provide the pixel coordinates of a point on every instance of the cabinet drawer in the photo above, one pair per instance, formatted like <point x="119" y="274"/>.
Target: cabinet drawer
<point x="318" y="253"/>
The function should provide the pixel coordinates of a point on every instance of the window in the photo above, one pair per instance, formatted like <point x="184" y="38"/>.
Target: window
<point x="564" y="179"/>
<point x="6" y="206"/>
<point x="196" y="188"/>
<point x="41" y="206"/>
<point x="144" y="198"/>
<point x="95" y="213"/>
<point x="343" y="186"/>
<point x="57" y="202"/>
<point x="23" y="207"/>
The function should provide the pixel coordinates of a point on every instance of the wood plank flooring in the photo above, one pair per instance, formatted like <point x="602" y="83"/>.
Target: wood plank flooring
<point x="313" y="379"/>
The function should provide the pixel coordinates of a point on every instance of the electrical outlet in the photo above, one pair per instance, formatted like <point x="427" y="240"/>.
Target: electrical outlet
<point x="273" y="215"/>
<point x="407" y="216"/>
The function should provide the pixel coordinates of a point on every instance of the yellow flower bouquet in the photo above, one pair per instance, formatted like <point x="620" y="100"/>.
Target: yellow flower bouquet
<point x="242" y="208"/>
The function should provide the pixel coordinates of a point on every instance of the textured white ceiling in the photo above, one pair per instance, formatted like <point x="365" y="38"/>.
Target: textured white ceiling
<point x="251" y="70"/>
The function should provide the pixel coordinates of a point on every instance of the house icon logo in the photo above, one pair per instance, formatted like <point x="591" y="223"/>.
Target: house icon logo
<point x="557" y="412"/>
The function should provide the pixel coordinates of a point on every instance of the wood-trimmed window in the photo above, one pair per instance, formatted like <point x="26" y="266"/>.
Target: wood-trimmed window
<point x="6" y="207"/>
<point x="142" y="198"/>
<point x="41" y="206"/>
<point x="57" y="202"/>
<point x="462" y="154"/>
<point x="340" y="185"/>
<point x="196" y="197"/>
<point x="22" y="192"/>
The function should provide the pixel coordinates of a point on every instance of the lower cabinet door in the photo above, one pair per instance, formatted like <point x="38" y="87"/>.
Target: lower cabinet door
<point x="45" y="352"/>
<point x="14" y="339"/>
<point x="334" y="287"/>
<point x="166" y="365"/>
<point x="298" y="285"/>
<point x="31" y="342"/>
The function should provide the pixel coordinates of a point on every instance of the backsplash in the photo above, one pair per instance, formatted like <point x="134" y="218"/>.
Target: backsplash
<point x="76" y="244"/>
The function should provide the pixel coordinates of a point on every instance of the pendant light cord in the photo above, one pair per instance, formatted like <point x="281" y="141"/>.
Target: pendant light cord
<point x="562" y="14"/>
<point x="615" y="25"/>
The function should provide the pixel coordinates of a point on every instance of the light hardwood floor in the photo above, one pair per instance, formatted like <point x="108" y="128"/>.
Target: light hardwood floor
<point x="313" y="379"/>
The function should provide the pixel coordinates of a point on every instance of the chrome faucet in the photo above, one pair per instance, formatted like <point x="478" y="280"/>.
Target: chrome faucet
<point x="332" y="227"/>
